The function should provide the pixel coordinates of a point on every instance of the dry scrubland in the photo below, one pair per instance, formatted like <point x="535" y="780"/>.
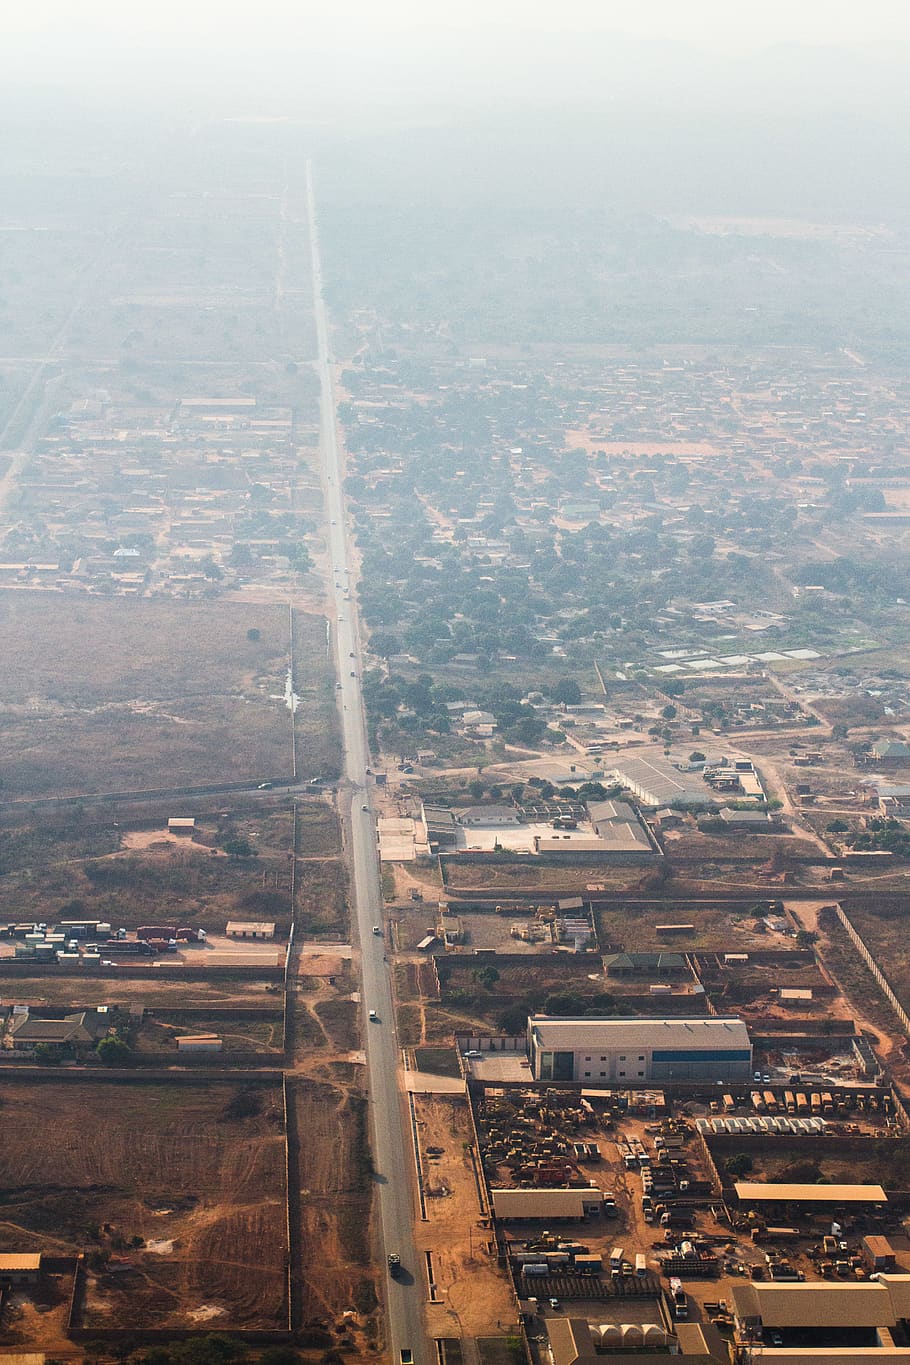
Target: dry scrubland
<point x="131" y="694"/>
<point x="163" y="883"/>
<point x="76" y="865"/>
<point x="197" y="1172"/>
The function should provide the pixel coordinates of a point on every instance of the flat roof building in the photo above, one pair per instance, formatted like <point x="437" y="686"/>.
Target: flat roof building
<point x="540" y="1203"/>
<point x="768" y="1192"/>
<point x="259" y="929"/>
<point x="637" y="1050"/>
<point x="822" y="1322"/>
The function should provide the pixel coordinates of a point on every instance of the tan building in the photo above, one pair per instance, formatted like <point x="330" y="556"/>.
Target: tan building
<point x="258" y="929"/>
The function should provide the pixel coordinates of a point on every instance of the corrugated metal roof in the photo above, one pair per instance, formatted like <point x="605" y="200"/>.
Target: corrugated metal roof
<point x="636" y="1031"/>
<point x="755" y="1192"/>
<point x="879" y="1304"/>
<point x="542" y="1203"/>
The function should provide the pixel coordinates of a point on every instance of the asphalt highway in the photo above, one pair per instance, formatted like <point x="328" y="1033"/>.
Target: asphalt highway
<point x="392" y="1152"/>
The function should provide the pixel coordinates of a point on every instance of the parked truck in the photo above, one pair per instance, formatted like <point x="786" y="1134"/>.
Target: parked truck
<point x="680" y="1301"/>
<point x="158" y="931"/>
<point x="188" y="935"/>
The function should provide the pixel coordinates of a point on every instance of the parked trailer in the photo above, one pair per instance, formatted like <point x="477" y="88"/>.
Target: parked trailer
<point x="770" y="1101"/>
<point x="122" y="948"/>
<point x="789" y="1102"/>
<point x="729" y="1104"/>
<point x="641" y="1264"/>
<point x="815" y="1102"/>
<point x="802" y="1105"/>
<point x="758" y="1101"/>
<point x="158" y="931"/>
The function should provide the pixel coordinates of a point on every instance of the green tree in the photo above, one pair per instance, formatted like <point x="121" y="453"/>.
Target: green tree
<point x="567" y="692"/>
<point x="237" y="846"/>
<point x="114" y="1052"/>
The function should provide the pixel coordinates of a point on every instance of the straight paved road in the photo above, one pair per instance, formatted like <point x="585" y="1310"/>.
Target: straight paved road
<point x="392" y="1154"/>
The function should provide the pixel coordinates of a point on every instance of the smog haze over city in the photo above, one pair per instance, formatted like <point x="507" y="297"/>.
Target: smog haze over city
<point x="454" y="682"/>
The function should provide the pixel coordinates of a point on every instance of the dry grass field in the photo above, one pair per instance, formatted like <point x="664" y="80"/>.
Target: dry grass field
<point x="196" y="1173"/>
<point x="134" y="694"/>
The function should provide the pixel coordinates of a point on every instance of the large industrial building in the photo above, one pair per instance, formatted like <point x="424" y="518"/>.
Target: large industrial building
<point x="637" y="1050"/>
<point x="655" y="781"/>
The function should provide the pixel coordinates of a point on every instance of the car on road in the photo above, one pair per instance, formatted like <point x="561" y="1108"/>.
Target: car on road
<point x="264" y="787"/>
<point x="394" y="1264"/>
<point x="473" y="1053"/>
<point x="377" y="928"/>
<point x="406" y="1355"/>
<point x="374" y="1017"/>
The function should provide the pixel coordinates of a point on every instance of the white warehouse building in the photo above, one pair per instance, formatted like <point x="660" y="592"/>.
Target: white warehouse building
<point x="635" y="1050"/>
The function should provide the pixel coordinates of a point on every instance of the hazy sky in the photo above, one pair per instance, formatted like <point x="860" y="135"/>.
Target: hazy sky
<point x="253" y="54"/>
<point x="724" y="24"/>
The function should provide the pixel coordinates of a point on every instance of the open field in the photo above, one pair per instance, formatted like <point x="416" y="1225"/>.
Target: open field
<point x="166" y="881"/>
<point x="337" y="1271"/>
<point x="84" y="991"/>
<point x="884" y="930"/>
<point x="197" y="1174"/>
<point x="716" y="928"/>
<point x="169" y="693"/>
<point x="322" y="906"/>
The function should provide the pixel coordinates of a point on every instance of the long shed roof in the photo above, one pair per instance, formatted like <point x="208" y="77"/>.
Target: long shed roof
<point x="757" y="1192"/>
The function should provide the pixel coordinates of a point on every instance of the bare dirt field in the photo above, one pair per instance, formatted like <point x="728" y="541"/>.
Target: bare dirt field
<point x="716" y="928"/>
<point x="85" y="991"/>
<point x="473" y="1291"/>
<point x="196" y="1173"/>
<point x="170" y="693"/>
<point x="337" y="1272"/>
